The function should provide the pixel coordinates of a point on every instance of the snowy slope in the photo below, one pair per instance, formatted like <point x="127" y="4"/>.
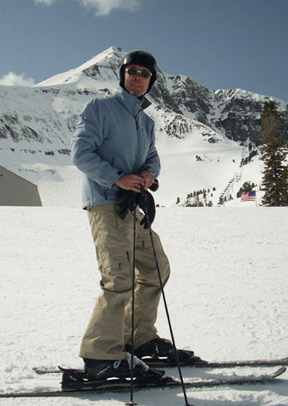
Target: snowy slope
<point x="194" y="132"/>
<point x="227" y="298"/>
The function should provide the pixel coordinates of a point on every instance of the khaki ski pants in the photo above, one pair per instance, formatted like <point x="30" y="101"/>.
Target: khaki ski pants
<point x="109" y="328"/>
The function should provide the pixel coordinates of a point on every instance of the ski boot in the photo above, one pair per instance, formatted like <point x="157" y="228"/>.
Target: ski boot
<point x="103" y="370"/>
<point x="160" y="352"/>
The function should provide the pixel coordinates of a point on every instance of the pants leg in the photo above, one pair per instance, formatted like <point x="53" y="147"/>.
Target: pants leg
<point x="109" y="327"/>
<point x="148" y="291"/>
<point x="113" y="238"/>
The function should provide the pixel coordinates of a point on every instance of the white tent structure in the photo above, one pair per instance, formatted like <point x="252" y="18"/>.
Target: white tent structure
<point x="17" y="191"/>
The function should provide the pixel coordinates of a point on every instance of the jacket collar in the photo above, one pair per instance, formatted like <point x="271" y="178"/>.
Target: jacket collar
<point x="130" y="102"/>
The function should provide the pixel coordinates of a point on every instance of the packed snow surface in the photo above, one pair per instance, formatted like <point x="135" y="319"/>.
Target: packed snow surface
<point x="227" y="298"/>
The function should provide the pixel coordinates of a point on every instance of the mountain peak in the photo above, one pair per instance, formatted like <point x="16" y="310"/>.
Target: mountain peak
<point x="111" y="57"/>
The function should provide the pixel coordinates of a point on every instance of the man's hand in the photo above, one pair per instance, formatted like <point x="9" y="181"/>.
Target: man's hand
<point x="131" y="182"/>
<point x="148" y="179"/>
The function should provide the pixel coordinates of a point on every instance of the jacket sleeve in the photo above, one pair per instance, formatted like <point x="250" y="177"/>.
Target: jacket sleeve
<point x="85" y="142"/>
<point x="152" y="161"/>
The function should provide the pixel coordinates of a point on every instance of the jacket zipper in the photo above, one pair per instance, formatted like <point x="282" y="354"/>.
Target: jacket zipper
<point x="136" y="119"/>
<point x="105" y="192"/>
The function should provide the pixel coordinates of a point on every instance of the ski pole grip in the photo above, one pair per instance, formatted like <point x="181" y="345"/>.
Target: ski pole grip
<point x="155" y="186"/>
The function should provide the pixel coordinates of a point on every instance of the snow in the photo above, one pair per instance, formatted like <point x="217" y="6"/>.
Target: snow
<point x="227" y="298"/>
<point x="227" y="294"/>
<point x="73" y="75"/>
<point x="41" y="120"/>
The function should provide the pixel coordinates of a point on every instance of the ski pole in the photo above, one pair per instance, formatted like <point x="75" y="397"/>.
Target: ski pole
<point x="132" y="403"/>
<point x="166" y="310"/>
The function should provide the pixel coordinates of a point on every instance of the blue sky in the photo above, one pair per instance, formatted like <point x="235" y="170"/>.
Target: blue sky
<point x="219" y="43"/>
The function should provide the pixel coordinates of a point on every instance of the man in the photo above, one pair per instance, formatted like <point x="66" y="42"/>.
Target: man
<point x="114" y="146"/>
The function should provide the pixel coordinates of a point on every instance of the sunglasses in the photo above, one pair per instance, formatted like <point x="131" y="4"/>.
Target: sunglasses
<point x="143" y="73"/>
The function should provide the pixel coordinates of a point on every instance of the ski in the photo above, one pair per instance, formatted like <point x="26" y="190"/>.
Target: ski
<point x="165" y="363"/>
<point x="74" y="382"/>
<point x="156" y="362"/>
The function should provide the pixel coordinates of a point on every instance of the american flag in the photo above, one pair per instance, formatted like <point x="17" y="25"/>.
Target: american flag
<point x="248" y="197"/>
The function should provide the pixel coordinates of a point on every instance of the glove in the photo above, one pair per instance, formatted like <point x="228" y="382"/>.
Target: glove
<point x="129" y="200"/>
<point x="146" y="202"/>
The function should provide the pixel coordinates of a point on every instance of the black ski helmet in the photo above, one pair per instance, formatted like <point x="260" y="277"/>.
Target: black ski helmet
<point x="139" y="57"/>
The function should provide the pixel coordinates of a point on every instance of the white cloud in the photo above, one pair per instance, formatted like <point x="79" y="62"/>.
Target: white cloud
<point x="45" y="2"/>
<point x="104" y="7"/>
<point x="101" y="7"/>
<point x="12" y="79"/>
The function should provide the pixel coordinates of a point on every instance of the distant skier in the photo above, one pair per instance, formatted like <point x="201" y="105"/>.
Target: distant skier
<point x="114" y="146"/>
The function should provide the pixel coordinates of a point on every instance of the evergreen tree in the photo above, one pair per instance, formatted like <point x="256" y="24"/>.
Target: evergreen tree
<point x="274" y="153"/>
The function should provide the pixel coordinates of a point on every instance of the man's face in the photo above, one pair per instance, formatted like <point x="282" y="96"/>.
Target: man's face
<point x="136" y="85"/>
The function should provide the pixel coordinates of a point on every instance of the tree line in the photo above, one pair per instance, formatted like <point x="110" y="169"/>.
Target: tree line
<point x="274" y="150"/>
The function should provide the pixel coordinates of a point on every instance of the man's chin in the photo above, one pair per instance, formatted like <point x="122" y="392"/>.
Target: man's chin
<point x="136" y="94"/>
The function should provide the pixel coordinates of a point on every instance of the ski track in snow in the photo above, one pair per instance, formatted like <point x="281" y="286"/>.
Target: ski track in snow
<point x="227" y="297"/>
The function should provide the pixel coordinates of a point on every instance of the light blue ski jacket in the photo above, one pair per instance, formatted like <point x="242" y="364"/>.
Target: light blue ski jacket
<point x="113" y="137"/>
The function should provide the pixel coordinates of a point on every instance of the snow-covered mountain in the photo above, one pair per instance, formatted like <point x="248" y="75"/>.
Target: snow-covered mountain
<point x="202" y="135"/>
